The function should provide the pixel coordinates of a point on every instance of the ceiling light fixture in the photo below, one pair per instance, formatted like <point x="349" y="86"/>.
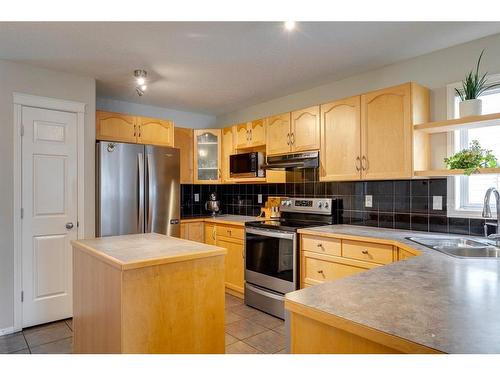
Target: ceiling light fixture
<point x="290" y="25"/>
<point x="140" y="76"/>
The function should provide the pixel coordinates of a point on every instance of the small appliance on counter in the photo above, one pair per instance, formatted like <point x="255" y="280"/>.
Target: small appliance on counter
<point x="271" y="209"/>
<point x="213" y="204"/>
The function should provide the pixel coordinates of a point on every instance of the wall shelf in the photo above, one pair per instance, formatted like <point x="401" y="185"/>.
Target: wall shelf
<point x="459" y="123"/>
<point x="452" y="172"/>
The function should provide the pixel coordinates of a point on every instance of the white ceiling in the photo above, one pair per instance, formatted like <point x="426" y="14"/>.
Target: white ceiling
<point x="219" y="67"/>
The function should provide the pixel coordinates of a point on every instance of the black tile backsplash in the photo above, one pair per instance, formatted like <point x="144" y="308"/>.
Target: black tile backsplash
<point x="401" y="204"/>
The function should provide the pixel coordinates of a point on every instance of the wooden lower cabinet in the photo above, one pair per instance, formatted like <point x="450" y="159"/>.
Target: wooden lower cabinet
<point x="193" y="231"/>
<point x="317" y="268"/>
<point x="325" y="258"/>
<point x="234" y="263"/>
<point x="231" y="238"/>
<point x="210" y="234"/>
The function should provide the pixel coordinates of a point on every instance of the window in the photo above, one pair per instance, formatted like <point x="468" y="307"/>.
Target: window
<point x="466" y="194"/>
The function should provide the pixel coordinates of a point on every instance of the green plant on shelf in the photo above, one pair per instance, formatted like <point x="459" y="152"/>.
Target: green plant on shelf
<point x="471" y="159"/>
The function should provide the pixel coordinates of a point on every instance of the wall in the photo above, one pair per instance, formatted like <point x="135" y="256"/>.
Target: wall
<point x="180" y="118"/>
<point x="402" y="204"/>
<point x="25" y="79"/>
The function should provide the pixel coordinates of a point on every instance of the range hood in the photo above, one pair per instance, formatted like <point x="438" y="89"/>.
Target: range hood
<point x="293" y="161"/>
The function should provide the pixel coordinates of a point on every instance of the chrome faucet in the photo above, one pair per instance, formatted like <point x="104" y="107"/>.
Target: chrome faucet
<point x="487" y="214"/>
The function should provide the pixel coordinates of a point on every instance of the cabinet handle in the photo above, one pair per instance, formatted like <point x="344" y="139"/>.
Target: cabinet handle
<point x="320" y="245"/>
<point x="213" y="234"/>
<point x="219" y="172"/>
<point x="251" y="135"/>
<point x="140" y="128"/>
<point x="364" y="163"/>
<point x="365" y="252"/>
<point x="292" y="138"/>
<point x="288" y="139"/>
<point x="135" y="130"/>
<point x="358" y="163"/>
<point x="321" y="273"/>
<point x="247" y="136"/>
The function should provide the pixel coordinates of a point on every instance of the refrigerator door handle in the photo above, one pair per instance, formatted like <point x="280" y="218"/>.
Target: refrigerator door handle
<point x="140" y="169"/>
<point x="149" y="201"/>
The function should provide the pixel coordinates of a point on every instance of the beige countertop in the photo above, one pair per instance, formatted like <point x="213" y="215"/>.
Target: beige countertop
<point x="442" y="302"/>
<point x="143" y="250"/>
<point x="223" y="219"/>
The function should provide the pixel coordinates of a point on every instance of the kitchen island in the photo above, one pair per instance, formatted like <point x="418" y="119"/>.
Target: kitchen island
<point x="431" y="303"/>
<point x="147" y="293"/>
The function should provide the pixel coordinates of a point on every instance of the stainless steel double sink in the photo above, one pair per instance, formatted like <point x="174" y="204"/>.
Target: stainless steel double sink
<point x="459" y="247"/>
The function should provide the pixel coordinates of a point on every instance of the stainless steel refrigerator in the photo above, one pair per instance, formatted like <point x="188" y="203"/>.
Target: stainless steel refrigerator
<point x="137" y="189"/>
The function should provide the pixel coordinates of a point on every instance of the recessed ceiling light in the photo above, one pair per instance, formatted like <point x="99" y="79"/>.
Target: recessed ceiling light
<point x="290" y="25"/>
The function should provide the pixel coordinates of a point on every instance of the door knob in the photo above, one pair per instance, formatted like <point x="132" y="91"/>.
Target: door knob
<point x="69" y="225"/>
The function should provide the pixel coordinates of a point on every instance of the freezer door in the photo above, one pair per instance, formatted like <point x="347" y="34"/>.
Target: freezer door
<point x="162" y="204"/>
<point x="120" y="184"/>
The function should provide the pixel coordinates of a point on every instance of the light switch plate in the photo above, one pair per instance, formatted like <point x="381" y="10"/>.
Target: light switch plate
<point x="368" y="200"/>
<point x="437" y="202"/>
<point x="196" y="197"/>
<point x="259" y="198"/>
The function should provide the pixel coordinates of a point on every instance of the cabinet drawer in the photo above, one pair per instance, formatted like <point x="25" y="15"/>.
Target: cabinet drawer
<point x="230" y="232"/>
<point x="321" y="245"/>
<point x="317" y="270"/>
<point x="368" y="251"/>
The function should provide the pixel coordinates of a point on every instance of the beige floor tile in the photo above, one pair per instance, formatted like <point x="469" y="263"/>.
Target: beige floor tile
<point x="12" y="343"/>
<point x="240" y="347"/>
<point x="280" y="329"/>
<point x="230" y="339"/>
<point x="267" y="342"/>
<point x="69" y="322"/>
<point x="245" y="311"/>
<point x="232" y="317"/>
<point x="243" y="329"/>
<point x="233" y="301"/>
<point x="64" y="346"/>
<point x="266" y="320"/>
<point x="47" y="333"/>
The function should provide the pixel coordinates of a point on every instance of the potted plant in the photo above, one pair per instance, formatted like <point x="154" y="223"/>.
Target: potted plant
<point x="472" y="87"/>
<point x="471" y="159"/>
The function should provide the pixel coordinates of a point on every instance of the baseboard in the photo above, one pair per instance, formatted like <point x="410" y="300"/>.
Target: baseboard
<point x="6" y="331"/>
<point x="235" y="293"/>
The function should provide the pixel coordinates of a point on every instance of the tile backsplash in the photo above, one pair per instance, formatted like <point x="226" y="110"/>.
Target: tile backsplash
<point x="399" y="204"/>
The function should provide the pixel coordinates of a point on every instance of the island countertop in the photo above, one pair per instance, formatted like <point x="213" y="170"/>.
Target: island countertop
<point x="445" y="303"/>
<point x="147" y="249"/>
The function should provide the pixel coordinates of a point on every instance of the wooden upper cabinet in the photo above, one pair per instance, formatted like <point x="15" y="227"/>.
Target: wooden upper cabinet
<point x="183" y="140"/>
<point x="155" y="132"/>
<point x="251" y="134"/>
<point x="305" y="129"/>
<point x="386" y="133"/>
<point x="112" y="126"/>
<point x="227" y="150"/>
<point x="240" y="136"/>
<point x="340" y="155"/>
<point x="278" y="134"/>
<point x="207" y="156"/>
<point x="257" y="130"/>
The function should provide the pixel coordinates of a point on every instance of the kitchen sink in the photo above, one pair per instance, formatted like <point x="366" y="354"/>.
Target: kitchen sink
<point x="459" y="247"/>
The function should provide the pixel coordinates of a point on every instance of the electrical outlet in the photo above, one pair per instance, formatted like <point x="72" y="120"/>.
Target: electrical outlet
<point x="196" y="197"/>
<point x="437" y="202"/>
<point x="259" y="198"/>
<point x="368" y="200"/>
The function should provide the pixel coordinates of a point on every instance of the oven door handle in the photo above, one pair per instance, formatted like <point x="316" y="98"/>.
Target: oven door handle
<point x="270" y="233"/>
<point x="265" y="292"/>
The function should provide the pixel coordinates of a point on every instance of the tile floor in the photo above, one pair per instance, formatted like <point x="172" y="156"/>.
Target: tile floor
<point x="248" y="331"/>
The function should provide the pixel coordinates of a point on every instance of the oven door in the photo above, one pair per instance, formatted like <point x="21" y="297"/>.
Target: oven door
<point x="271" y="259"/>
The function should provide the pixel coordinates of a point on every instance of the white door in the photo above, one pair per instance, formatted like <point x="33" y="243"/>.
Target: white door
<point x="49" y="201"/>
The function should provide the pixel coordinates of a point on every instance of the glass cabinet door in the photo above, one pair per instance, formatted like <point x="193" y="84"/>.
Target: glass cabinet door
<point x="207" y="156"/>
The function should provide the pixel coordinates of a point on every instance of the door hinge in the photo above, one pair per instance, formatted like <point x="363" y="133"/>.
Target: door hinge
<point x="22" y="130"/>
<point x="22" y="295"/>
<point x="22" y="213"/>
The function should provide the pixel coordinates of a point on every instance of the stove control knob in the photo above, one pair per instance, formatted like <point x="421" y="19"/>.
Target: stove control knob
<point x="320" y="204"/>
<point x="288" y="203"/>
<point x="326" y="205"/>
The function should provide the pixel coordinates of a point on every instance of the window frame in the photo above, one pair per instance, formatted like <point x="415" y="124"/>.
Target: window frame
<point x="457" y="188"/>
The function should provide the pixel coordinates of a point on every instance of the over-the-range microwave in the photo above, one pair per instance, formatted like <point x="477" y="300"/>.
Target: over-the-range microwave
<point x="247" y="165"/>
